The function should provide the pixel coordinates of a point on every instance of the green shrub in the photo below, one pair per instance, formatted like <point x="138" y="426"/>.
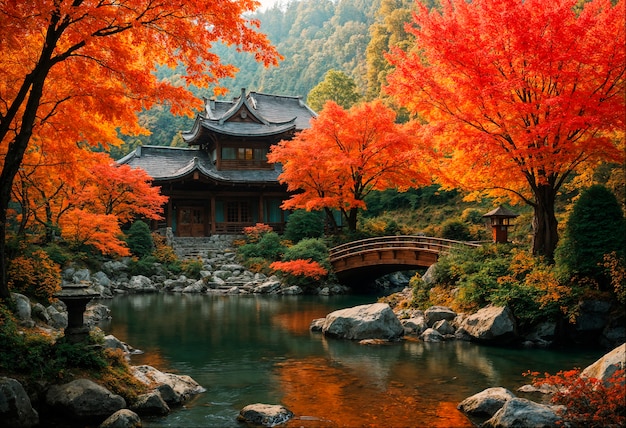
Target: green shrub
<point x="192" y="268"/>
<point x="420" y="292"/>
<point x="139" y="239"/>
<point x="304" y="224"/>
<point x="269" y="247"/>
<point x="146" y="266"/>
<point x="456" y="230"/>
<point x="595" y="227"/>
<point x="309" y="249"/>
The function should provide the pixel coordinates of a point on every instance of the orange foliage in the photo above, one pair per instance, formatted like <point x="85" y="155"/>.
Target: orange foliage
<point x="80" y="227"/>
<point x="78" y="71"/>
<point x="306" y="268"/>
<point x="256" y="232"/>
<point x="345" y="155"/>
<point x="517" y="95"/>
<point x="121" y="191"/>
<point x="589" y="402"/>
<point x="35" y="275"/>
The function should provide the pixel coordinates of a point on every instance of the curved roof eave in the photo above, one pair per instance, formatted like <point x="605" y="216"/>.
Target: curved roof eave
<point x="263" y="130"/>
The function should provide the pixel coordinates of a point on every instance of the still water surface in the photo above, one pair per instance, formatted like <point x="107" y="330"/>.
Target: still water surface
<point x="258" y="349"/>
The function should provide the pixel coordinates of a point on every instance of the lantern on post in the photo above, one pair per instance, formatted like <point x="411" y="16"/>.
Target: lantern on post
<point x="500" y="219"/>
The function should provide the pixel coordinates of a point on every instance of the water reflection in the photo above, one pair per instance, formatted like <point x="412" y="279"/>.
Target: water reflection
<point x="249" y="349"/>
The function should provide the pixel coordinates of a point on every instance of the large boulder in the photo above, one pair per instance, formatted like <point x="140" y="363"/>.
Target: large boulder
<point x="83" y="401"/>
<point x="520" y="412"/>
<point x="375" y="321"/>
<point x="265" y="415"/>
<point x="494" y="324"/>
<point x="16" y="410"/>
<point x="182" y="385"/>
<point x="486" y="402"/>
<point x="122" y="419"/>
<point x="606" y="366"/>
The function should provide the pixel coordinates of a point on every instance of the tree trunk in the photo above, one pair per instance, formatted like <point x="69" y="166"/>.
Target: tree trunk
<point x="545" y="225"/>
<point x="12" y="162"/>
<point x="351" y="217"/>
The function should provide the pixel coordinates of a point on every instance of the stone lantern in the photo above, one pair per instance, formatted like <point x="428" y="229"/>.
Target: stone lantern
<point x="500" y="219"/>
<point x="76" y="297"/>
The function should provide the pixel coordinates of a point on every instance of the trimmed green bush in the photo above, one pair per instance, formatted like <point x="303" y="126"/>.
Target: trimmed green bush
<point x="595" y="227"/>
<point x="309" y="249"/>
<point x="304" y="224"/>
<point x="139" y="239"/>
<point x="268" y="247"/>
<point x="456" y="230"/>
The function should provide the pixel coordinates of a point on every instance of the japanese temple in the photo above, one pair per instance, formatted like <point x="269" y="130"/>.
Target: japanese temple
<point x="222" y="182"/>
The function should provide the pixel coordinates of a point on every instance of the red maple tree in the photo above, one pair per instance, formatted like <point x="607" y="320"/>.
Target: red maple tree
<point x="517" y="95"/>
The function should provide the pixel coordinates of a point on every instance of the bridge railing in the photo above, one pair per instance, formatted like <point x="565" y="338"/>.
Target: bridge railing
<point x="425" y="243"/>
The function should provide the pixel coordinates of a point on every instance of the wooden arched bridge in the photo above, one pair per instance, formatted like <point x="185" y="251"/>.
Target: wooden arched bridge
<point x="374" y="257"/>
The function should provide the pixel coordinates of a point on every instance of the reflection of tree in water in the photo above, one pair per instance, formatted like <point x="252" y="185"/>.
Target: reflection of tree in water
<point x="322" y="389"/>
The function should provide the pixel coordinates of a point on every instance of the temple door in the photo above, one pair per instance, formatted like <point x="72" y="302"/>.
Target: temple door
<point x="191" y="221"/>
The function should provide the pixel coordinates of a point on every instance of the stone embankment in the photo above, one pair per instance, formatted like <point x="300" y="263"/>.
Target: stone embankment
<point x="82" y="401"/>
<point x="220" y="274"/>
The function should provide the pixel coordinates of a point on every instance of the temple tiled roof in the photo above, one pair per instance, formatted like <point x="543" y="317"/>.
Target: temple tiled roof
<point x="265" y="115"/>
<point x="171" y="163"/>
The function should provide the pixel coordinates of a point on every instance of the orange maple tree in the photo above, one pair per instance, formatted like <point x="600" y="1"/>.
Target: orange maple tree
<point x="79" y="70"/>
<point x="345" y="155"/>
<point x="60" y="187"/>
<point x="518" y="95"/>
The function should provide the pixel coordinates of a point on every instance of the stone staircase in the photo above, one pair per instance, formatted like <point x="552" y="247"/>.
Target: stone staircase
<point x="206" y="247"/>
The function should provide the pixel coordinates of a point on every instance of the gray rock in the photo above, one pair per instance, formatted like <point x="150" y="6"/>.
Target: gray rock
<point x="83" y="400"/>
<point x="197" y="287"/>
<point x="22" y="306"/>
<point x="267" y="287"/>
<point x="167" y="393"/>
<point x="607" y="365"/>
<point x="486" y="402"/>
<point x="114" y="268"/>
<point x="122" y="419"/>
<point x="184" y="386"/>
<point x="222" y="274"/>
<point x="317" y="324"/>
<point x="520" y="412"/>
<point x="232" y="267"/>
<point x="431" y="335"/>
<point x="491" y="324"/>
<point x="444" y="327"/>
<point x="150" y="404"/>
<point x="39" y="313"/>
<point x="58" y="319"/>
<point x="429" y="275"/>
<point x="291" y="291"/>
<point x="438" y="313"/>
<point x="266" y="415"/>
<point x="95" y="313"/>
<point x="16" y="410"/>
<point x="414" y="325"/>
<point x="140" y="284"/>
<point x="81" y="275"/>
<point x="101" y="278"/>
<point x="324" y="291"/>
<point x="592" y="316"/>
<point x="375" y="321"/>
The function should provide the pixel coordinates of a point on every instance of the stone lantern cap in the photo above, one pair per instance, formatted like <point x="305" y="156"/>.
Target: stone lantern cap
<point x="75" y="291"/>
<point x="501" y="212"/>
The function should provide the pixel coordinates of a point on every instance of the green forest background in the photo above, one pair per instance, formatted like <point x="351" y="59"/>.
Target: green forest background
<point x="314" y="36"/>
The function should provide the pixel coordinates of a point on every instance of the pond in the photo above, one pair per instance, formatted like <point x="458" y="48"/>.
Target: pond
<point x="258" y="349"/>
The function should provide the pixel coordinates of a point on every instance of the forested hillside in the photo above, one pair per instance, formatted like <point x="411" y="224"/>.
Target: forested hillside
<point x="314" y="36"/>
